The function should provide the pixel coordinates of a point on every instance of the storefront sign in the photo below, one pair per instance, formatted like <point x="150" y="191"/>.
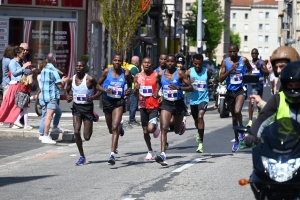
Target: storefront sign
<point x="3" y="36"/>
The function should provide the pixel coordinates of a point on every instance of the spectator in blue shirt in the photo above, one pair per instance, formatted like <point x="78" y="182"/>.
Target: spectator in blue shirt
<point x="51" y="83"/>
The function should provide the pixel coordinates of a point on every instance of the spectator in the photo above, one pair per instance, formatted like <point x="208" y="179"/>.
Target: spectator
<point x="51" y="83"/>
<point x="9" y="111"/>
<point x="210" y="66"/>
<point x="133" y="68"/>
<point x="8" y="55"/>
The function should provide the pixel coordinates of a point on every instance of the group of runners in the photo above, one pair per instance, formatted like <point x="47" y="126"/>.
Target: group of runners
<point x="160" y="93"/>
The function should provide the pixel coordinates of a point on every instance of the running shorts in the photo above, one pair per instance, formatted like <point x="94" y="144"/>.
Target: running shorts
<point x="147" y="114"/>
<point x="195" y="109"/>
<point x="110" y="104"/>
<point x="231" y="95"/>
<point x="84" y="111"/>
<point x="174" y="107"/>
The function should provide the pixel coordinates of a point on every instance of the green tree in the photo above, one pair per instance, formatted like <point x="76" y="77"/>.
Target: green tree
<point x="122" y="18"/>
<point x="214" y="14"/>
<point x="235" y="38"/>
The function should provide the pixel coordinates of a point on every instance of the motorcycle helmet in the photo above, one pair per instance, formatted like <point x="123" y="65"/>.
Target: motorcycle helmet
<point x="180" y="58"/>
<point x="291" y="73"/>
<point x="283" y="52"/>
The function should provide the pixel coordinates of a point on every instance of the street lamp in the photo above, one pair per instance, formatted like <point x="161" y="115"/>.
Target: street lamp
<point x="169" y="15"/>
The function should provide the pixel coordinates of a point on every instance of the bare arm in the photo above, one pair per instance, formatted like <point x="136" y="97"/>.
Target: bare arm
<point x="187" y="83"/>
<point x="264" y="68"/>
<point x="248" y="66"/>
<point x="136" y="85"/>
<point x="223" y="73"/>
<point x="69" y="86"/>
<point x="128" y="78"/>
<point x="101" y="81"/>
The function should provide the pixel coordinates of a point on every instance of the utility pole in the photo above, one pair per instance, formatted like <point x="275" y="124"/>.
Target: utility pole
<point x="199" y="28"/>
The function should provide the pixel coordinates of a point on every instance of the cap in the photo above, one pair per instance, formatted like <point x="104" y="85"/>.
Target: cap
<point x="27" y="71"/>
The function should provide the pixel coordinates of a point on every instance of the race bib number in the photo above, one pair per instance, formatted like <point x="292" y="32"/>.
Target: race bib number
<point x="116" y="92"/>
<point x="171" y="95"/>
<point x="255" y="70"/>
<point x="199" y="85"/>
<point x="79" y="98"/>
<point x="236" y="78"/>
<point x="146" y="91"/>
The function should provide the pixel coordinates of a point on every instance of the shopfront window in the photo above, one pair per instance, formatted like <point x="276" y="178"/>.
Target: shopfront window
<point x="51" y="36"/>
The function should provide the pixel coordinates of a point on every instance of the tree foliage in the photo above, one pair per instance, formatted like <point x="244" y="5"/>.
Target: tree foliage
<point x="214" y="26"/>
<point x="122" y="19"/>
<point x="235" y="38"/>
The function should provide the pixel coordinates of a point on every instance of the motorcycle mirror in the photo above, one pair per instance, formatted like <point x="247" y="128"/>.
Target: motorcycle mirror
<point x="243" y="182"/>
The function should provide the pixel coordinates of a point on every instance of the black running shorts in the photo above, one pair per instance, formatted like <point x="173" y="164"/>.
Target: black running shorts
<point x="147" y="114"/>
<point x="84" y="111"/>
<point x="174" y="107"/>
<point x="195" y="109"/>
<point x="110" y="104"/>
<point x="231" y="95"/>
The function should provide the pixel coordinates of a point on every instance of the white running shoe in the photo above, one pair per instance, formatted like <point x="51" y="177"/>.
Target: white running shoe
<point x="28" y="128"/>
<point x="18" y="124"/>
<point x="56" y="130"/>
<point x="41" y="137"/>
<point x="150" y="155"/>
<point x="48" y="140"/>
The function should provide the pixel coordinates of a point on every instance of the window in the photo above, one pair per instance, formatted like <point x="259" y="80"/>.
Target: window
<point x="260" y="27"/>
<point x="245" y="26"/>
<point x="266" y="49"/>
<point x="246" y="15"/>
<point x="245" y="38"/>
<point x="187" y="6"/>
<point x="266" y="38"/>
<point x="233" y="27"/>
<point x="260" y="49"/>
<point x="233" y="15"/>
<point x="267" y="27"/>
<point x="261" y="15"/>
<point x="267" y="15"/>
<point x="260" y="38"/>
<point x="245" y="49"/>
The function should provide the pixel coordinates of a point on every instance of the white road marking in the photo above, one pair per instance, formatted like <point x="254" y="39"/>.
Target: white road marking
<point x="180" y="169"/>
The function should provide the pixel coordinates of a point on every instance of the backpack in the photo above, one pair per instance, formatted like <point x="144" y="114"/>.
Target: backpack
<point x="22" y="99"/>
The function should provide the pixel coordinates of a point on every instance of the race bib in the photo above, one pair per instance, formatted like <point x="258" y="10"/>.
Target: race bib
<point x="255" y="70"/>
<point x="171" y="95"/>
<point x="146" y="91"/>
<point x="236" y="78"/>
<point x="199" y="85"/>
<point x="117" y="92"/>
<point x="79" y="98"/>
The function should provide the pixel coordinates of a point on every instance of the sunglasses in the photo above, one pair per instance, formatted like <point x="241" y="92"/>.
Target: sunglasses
<point x="26" y="49"/>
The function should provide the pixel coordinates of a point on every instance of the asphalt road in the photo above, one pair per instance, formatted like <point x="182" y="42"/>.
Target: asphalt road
<point x="31" y="170"/>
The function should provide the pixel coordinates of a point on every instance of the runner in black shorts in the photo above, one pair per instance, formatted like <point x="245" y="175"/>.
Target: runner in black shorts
<point x="199" y="99"/>
<point x="112" y="83"/>
<point x="173" y="82"/>
<point x="146" y="86"/>
<point x="82" y="86"/>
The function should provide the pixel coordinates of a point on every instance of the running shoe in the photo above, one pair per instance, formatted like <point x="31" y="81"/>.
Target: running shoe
<point x="249" y="124"/>
<point x="200" y="148"/>
<point x="184" y="126"/>
<point x="122" y="132"/>
<point x="156" y="133"/>
<point x="111" y="160"/>
<point x="150" y="155"/>
<point x="241" y="136"/>
<point x="81" y="161"/>
<point x="198" y="138"/>
<point x="161" y="159"/>
<point x="235" y="146"/>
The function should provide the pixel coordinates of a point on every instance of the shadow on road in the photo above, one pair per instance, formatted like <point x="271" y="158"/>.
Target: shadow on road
<point x="13" y="180"/>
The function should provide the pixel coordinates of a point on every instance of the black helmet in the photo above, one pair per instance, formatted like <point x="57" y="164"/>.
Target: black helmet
<point x="291" y="73"/>
<point x="180" y="58"/>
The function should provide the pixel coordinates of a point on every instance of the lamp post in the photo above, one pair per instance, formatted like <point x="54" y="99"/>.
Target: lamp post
<point x="175" y="23"/>
<point x="184" y="35"/>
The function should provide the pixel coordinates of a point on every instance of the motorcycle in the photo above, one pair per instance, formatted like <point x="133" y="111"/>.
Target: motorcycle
<point x="223" y="108"/>
<point x="276" y="161"/>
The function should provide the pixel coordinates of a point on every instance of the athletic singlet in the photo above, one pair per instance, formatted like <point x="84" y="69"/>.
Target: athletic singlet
<point x="81" y="92"/>
<point x="147" y="88"/>
<point x="235" y="79"/>
<point x="256" y="71"/>
<point x="200" y="85"/>
<point x="168" y="94"/>
<point x="117" y="85"/>
<point x="157" y="69"/>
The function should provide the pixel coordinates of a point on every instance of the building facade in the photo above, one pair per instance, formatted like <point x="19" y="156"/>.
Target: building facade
<point x="256" y="22"/>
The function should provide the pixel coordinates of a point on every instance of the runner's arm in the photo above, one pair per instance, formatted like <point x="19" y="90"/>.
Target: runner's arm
<point x="248" y="66"/>
<point x="101" y="81"/>
<point x="94" y="84"/>
<point x="69" y="86"/>
<point x="128" y="78"/>
<point x="136" y="85"/>
<point x="223" y="73"/>
<point x="186" y="82"/>
<point x="264" y="68"/>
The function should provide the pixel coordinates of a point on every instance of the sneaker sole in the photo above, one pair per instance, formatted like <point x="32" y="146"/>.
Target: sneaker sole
<point x="149" y="159"/>
<point x="111" y="162"/>
<point x="199" y="151"/>
<point x="159" y="160"/>
<point x="80" y="164"/>
<point x="235" y="150"/>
